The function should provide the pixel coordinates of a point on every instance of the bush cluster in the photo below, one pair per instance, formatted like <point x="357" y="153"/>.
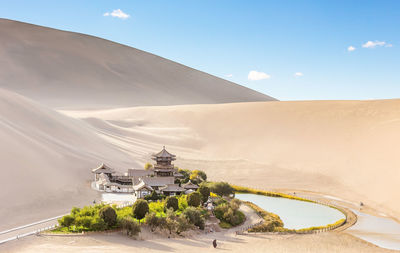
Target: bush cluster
<point x="272" y="222"/>
<point x="220" y="188"/>
<point x="228" y="213"/>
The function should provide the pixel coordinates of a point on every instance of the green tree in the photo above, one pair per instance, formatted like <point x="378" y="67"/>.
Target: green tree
<point x="66" y="221"/>
<point x="194" y="216"/>
<point x="140" y="208"/>
<point x="109" y="216"/>
<point x="172" y="202"/>
<point x="194" y="199"/>
<point x="221" y="188"/>
<point x="204" y="191"/>
<point x="131" y="227"/>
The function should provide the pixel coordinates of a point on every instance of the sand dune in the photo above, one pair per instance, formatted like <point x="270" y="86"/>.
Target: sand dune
<point x="72" y="70"/>
<point x="342" y="148"/>
<point x="45" y="160"/>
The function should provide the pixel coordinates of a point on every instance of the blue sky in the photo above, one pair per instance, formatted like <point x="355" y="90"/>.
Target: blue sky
<point x="246" y="40"/>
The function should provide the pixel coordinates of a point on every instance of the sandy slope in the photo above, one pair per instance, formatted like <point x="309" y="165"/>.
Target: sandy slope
<point x="65" y="69"/>
<point x="343" y="148"/>
<point x="45" y="161"/>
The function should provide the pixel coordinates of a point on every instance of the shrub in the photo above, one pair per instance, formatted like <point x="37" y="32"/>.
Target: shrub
<point x="154" y="196"/>
<point x="157" y="207"/>
<point x="170" y="221"/>
<point x="139" y="209"/>
<point x="194" y="216"/>
<point x="272" y="222"/>
<point x="205" y="192"/>
<point x="198" y="174"/>
<point x="182" y="200"/>
<point x="172" y="202"/>
<point x="182" y="224"/>
<point x="186" y="175"/>
<point x="66" y="221"/>
<point x="228" y="214"/>
<point x="148" y="166"/>
<point x="235" y="204"/>
<point x="98" y="224"/>
<point x="131" y="227"/>
<point x="75" y="210"/>
<point x="87" y="211"/>
<point x="220" y="188"/>
<point x="152" y="221"/>
<point x="109" y="216"/>
<point x="83" y="221"/>
<point x="194" y="199"/>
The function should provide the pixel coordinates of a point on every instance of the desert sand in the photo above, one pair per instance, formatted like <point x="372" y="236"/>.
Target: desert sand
<point x="56" y="124"/>
<point x="66" y="69"/>
<point x="341" y="148"/>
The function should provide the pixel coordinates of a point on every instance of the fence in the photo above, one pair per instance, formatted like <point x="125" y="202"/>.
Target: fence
<point x="35" y="232"/>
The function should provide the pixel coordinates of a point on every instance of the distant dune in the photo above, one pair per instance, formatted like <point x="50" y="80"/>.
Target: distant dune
<point x="71" y="70"/>
<point x="348" y="149"/>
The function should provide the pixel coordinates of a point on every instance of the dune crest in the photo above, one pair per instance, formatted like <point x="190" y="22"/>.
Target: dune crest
<point x="71" y="70"/>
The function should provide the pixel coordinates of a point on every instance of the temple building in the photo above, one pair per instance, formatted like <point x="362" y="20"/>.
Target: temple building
<point x="161" y="178"/>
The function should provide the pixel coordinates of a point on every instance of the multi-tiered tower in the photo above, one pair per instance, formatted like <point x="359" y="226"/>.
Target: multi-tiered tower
<point x="163" y="166"/>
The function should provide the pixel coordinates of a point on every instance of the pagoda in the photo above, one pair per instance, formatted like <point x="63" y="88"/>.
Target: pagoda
<point x="163" y="166"/>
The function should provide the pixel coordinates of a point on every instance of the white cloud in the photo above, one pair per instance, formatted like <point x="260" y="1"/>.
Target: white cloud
<point x="351" y="48"/>
<point x="229" y="75"/>
<point x="389" y="45"/>
<point x="255" y="75"/>
<point x="298" y="74"/>
<point x="117" y="14"/>
<point x="373" y="44"/>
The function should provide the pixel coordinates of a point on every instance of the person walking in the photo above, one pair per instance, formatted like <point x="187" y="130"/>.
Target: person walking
<point x="215" y="243"/>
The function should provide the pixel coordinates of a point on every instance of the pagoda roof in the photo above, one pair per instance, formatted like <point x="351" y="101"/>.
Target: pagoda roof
<point x="103" y="169"/>
<point x="164" y="154"/>
<point x="172" y="188"/>
<point x="190" y="185"/>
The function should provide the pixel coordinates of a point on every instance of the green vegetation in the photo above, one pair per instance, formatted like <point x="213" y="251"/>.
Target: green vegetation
<point x="172" y="202"/>
<point x="194" y="199"/>
<point x="220" y="188"/>
<point x="108" y="215"/>
<point x="140" y="208"/>
<point x="204" y="191"/>
<point x="131" y="227"/>
<point x="228" y="213"/>
<point x="198" y="176"/>
<point x="154" y="196"/>
<point x="272" y="222"/>
<point x="194" y="216"/>
<point x="173" y="214"/>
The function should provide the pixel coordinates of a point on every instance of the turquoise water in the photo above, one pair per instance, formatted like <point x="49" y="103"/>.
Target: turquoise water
<point x="295" y="214"/>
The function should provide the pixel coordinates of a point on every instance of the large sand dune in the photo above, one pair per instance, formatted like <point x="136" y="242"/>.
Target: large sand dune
<point x="347" y="149"/>
<point x="72" y="70"/>
<point x="45" y="161"/>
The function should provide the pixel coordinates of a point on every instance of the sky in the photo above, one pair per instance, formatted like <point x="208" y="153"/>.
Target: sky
<point x="291" y="50"/>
